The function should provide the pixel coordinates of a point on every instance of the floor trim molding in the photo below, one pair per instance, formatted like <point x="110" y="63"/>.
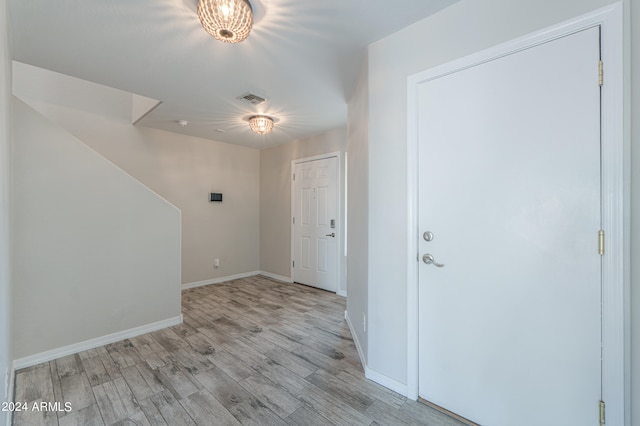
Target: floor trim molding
<point x="363" y="360"/>
<point x="370" y="374"/>
<point x="93" y="343"/>
<point x="219" y="280"/>
<point x="276" y="276"/>
<point x="386" y="381"/>
<point x="236" y="277"/>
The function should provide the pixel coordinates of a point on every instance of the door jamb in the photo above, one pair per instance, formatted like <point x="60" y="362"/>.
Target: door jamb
<point x="615" y="200"/>
<point x="336" y="154"/>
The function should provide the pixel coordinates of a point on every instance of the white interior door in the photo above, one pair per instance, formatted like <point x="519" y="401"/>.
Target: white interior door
<point x="509" y="187"/>
<point x="315" y="223"/>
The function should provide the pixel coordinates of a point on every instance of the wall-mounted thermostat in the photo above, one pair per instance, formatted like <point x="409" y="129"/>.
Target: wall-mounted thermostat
<point x="215" y="196"/>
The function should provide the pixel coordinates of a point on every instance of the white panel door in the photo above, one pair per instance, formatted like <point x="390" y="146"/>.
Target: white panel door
<point x="315" y="223"/>
<point x="509" y="187"/>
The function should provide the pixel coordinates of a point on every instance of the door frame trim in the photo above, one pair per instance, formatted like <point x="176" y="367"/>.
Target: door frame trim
<point x="337" y="155"/>
<point x="615" y="200"/>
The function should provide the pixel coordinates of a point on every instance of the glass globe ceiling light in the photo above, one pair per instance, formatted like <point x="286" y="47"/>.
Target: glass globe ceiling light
<point x="227" y="20"/>
<point x="261" y="124"/>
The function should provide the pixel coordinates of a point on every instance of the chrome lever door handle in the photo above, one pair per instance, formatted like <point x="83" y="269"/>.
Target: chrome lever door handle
<point x="429" y="259"/>
<point x="333" y="234"/>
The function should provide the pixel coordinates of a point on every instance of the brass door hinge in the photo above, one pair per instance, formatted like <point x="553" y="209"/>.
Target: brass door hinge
<point x="601" y="242"/>
<point x="600" y="73"/>
<point x="601" y="413"/>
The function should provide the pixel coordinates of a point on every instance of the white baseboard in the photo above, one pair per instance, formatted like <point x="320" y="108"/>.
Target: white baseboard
<point x="93" y="343"/>
<point x="370" y="374"/>
<point x="236" y="277"/>
<point x="363" y="360"/>
<point x="386" y="381"/>
<point x="341" y="293"/>
<point x="276" y="276"/>
<point x="219" y="280"/>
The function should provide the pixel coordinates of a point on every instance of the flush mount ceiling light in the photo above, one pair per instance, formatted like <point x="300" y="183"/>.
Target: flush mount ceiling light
<point x="261" y="124"/>
<point x="227" y="20"/>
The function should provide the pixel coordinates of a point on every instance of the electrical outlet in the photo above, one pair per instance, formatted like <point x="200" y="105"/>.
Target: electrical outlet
<point x="364" y="322"/>
<point x="216" y="263"/>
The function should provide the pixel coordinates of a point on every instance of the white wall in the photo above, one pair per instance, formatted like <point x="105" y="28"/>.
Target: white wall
<point x="94" y="252"/>
<point x="635" y="211"/>
<point x="464" y="28"/>
<point x="275" y="198"/>
<point x="357" y="208"/>
<point x="182" y="169"/>
<point x="5" y="198"/>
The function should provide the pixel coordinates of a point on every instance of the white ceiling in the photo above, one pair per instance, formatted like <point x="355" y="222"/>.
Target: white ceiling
<point x="302" y="55"/>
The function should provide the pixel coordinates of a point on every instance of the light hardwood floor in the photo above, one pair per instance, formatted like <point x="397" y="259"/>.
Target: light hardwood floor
<point x="252" y="351"/>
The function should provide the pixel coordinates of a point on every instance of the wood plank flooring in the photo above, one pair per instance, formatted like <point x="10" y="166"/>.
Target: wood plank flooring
<point x="253" y="351"/>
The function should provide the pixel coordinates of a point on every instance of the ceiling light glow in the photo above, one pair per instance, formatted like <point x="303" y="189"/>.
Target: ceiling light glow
<point x="261" y="124"/>
<point x="229" y="21"/>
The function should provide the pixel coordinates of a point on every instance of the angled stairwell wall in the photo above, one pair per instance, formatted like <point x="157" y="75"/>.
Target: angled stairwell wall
<point x="95" y="253"/>
<point x="182" y="169"/>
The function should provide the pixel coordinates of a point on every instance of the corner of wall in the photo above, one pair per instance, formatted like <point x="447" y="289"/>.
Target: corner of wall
<point x="357" y="215"/>
<point x="632" y="67"/>
<point x="6" y="352"/>
<point x="10" y="379"/>
<point x="356" y="341"/>
<point x="94" y="245"/>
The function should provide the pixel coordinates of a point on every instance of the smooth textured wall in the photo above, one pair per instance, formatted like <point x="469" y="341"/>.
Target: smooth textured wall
<point x="275" y="199"/>
<point x="358" y="205"/>
<point x="464" y="28"/>
<point x="95" y="252"/>
<point x="635" y="211"/>
<point x="5" y="198"/>
<point x="182" y="169"/>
